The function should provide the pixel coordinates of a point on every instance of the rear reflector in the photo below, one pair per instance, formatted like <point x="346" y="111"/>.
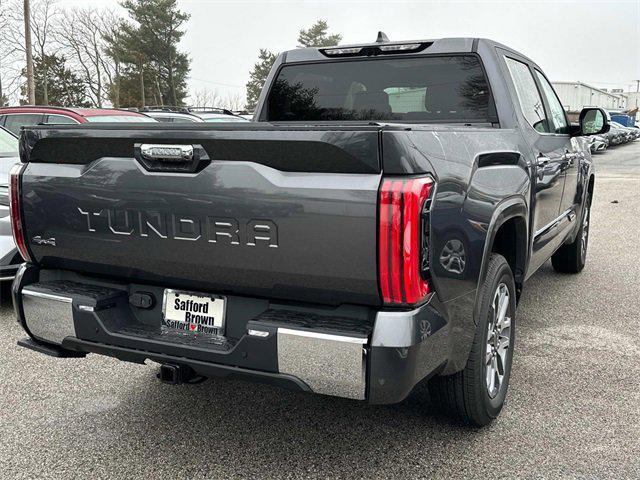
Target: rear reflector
<point x="16" y="214"/>
<point x="403" y="239"/>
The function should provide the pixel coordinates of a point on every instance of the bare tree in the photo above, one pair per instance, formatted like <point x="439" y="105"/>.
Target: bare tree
<point x="12" y="51"/>
<point x="234" y="101"/>
<point x="43" y="17"/>
<point x="82" y="35"/>
<point x="12" y="41"/>
<point x="205" y="97"/>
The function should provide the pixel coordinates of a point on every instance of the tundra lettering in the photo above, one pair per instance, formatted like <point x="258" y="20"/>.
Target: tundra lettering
<point x="182" y="227"/>
<point x="418" y="185"/>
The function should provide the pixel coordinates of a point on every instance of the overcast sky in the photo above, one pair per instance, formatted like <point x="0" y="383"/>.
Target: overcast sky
<point x="596" y="42"/>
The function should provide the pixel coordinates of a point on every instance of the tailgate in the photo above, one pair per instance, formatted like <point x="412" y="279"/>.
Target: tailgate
<point x="286" y="214"/>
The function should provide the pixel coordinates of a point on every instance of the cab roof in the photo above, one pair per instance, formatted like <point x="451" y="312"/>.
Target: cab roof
<point x="427" y="47"/>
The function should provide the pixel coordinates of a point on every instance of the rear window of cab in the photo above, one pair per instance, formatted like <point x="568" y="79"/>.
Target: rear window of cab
<point x="426" y="89"/>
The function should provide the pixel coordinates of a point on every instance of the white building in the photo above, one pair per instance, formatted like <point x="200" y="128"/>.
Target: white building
<point x="577" y="95"/>
<point x="633" y="99"/>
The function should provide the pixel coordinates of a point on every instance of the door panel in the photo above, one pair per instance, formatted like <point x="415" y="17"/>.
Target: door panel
<point x="559" y="126"/>
<point x="548" y="150"/>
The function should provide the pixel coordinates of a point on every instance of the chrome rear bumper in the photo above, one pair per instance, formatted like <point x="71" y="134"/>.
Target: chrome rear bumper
<point x="329" y="364"/>
<point x="48" y="317"/>
<point x="380" y="363"/>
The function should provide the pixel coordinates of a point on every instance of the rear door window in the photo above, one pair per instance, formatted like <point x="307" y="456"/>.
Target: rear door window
<point x="528" y="95"/>
<point x="425" y="89"/>
<point x="60" y="120"/>
<point x="16" y="120"/>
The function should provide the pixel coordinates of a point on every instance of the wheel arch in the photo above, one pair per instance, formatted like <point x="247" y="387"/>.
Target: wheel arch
<point x="507" y="234"/>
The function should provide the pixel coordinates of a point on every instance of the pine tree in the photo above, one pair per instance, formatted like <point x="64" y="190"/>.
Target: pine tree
<point x="316" y="36"/>
<point x="258" y="76"/>
<point x="153" y="71"/>
<point x="64" y="88"/>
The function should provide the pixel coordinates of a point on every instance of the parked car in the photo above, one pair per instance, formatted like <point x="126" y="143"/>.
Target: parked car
<point x="10" y="259"/>
<point x="629" y="132"/>
<point x="216" y="114"/>
<point x="598" y="143"/>
<point x="373" y="228"/>
<point x="171" y="116"/>
<point x="616" y="136"/>
<point x="12" y="118"/>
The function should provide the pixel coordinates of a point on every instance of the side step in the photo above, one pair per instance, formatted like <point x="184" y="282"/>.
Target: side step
<point x="50" y="350"/>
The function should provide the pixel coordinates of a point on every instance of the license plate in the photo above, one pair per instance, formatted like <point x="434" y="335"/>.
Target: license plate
<point x="194" y="313"/>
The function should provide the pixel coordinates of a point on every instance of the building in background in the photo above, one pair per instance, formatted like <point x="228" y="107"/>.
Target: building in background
<point x="577" y="95"/>
<point x="633" y="100"/>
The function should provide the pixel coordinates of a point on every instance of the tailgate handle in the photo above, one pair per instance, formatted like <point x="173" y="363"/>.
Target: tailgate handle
<point x="166" y="153"/>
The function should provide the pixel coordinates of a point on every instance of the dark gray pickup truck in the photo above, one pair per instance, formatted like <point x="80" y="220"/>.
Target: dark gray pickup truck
<point x="373" y="228"/>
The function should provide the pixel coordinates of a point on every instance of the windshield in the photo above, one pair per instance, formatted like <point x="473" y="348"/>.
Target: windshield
<point x="428" y="89"/>
<point x="120" y="118"/>
<point x="8" y="144"/>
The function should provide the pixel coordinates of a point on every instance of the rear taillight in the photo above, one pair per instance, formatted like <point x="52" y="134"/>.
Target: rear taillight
<point x="16" y="211"/>
<point x="403" y="239"/>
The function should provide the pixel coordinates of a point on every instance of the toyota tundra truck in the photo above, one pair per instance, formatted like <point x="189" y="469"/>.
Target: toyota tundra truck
<point x="372" y="229"/>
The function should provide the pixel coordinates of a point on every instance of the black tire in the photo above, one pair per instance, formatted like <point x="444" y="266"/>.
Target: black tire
<point x="465" y="395"/>
<point x="570" y="258"/>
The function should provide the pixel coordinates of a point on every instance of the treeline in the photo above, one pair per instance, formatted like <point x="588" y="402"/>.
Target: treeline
<point x="92" y="57"/>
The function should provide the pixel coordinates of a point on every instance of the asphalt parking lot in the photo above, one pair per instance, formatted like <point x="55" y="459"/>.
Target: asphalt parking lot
<point x="573" y="409"/>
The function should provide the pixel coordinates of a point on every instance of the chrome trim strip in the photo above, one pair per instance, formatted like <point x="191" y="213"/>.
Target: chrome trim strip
<point x="48" y="296"/>
<point x="553" y="223"/>
<point x="2" y="279"/>
<point x="323" y="336"/>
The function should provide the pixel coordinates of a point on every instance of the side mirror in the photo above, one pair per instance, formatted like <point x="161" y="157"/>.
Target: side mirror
<point x="594" y="121"/>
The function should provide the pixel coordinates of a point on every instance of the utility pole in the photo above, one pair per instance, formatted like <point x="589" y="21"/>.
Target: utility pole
<point x="31" y="91"/>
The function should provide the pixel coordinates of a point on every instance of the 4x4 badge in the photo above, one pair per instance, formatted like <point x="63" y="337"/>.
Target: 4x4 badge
<point x="44" y="241"/>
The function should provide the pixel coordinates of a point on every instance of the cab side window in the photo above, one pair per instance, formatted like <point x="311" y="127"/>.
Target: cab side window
<point x="558" y="118"/>
<point x="528" y="95"/>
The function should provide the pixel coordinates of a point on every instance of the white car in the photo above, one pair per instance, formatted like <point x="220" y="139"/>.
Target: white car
<point x="10" y="259"/>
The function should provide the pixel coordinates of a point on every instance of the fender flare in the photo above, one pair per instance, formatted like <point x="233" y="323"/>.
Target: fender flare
<point x="511" y="207"/>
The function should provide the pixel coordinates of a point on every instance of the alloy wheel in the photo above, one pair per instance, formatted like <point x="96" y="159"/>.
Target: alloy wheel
<point x="498" y="340"/>
<point x="584" y="240"/>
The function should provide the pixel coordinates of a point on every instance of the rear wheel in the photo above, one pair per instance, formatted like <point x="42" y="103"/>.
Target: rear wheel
<point x="571" y="258"/>
<point x="476" y="394"/>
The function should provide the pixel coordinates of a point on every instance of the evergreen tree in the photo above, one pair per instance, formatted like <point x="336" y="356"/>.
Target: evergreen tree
<point x="153" y="71"/>
<point x="316" y="36"/>
<point x="64" y="88"/>
<point x="258" y="76"/>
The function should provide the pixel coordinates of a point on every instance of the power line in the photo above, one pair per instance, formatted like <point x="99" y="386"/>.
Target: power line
<point x="217" y="83"/>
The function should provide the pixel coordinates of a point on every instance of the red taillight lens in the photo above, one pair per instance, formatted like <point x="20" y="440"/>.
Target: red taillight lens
<point x="403" y="236"/>
<point x="16" y="215"/>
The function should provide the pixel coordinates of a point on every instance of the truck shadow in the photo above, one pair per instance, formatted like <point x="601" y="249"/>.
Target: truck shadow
<point x="255" y="430"/>
<point x="237" y="429"/>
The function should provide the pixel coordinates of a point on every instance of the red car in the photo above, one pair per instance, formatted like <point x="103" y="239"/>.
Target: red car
<point x="12" y="118"/>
